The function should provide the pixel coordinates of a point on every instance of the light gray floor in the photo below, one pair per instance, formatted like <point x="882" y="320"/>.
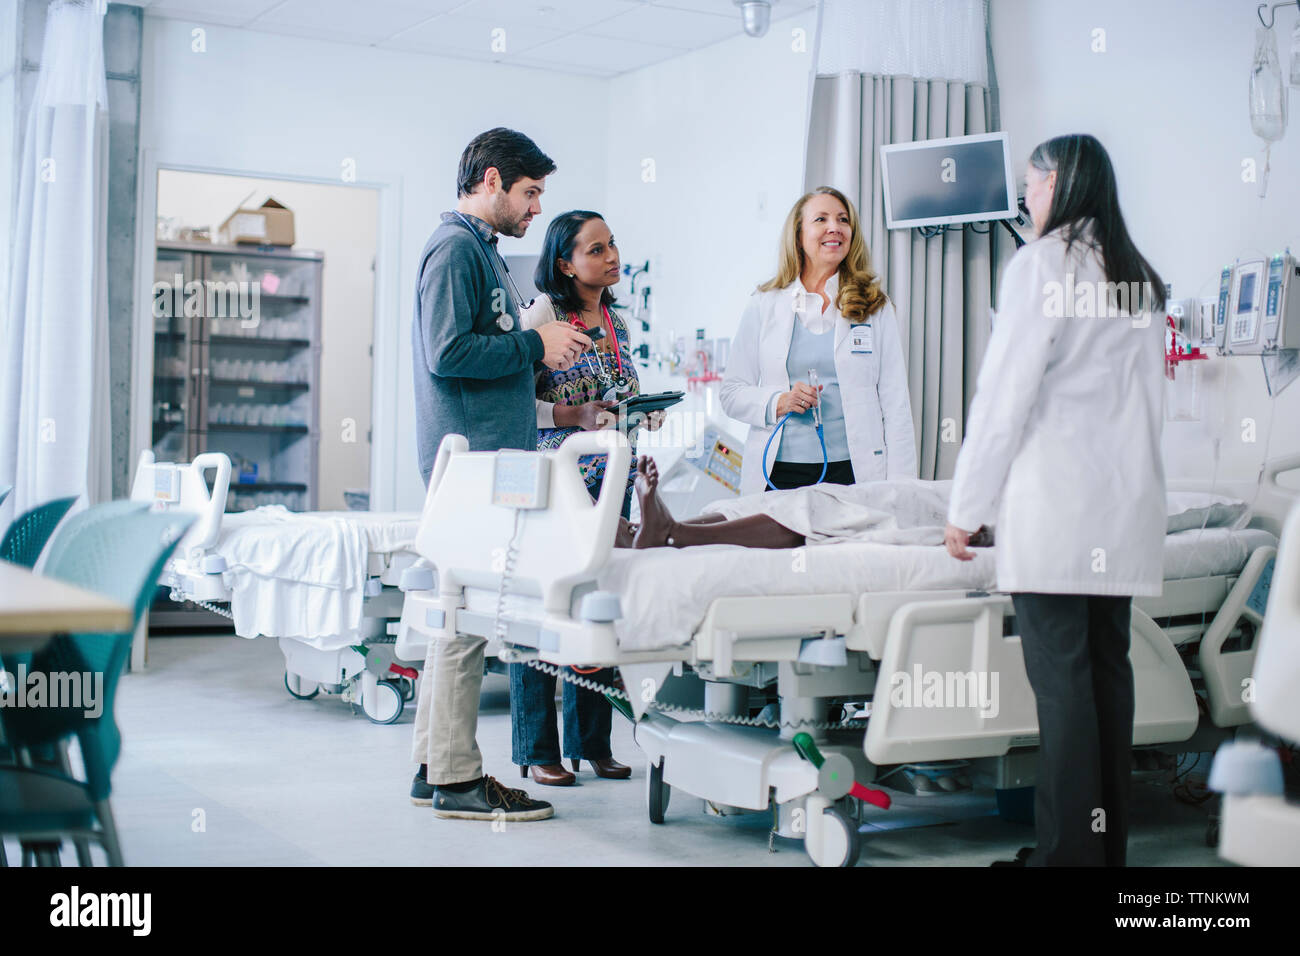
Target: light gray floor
<point x="209" y="732"/>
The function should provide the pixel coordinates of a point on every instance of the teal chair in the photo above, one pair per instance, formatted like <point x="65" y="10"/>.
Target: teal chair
<point x="119" y="556"/>
<point x="28" y="535"/>
<point x="4" y="492"/>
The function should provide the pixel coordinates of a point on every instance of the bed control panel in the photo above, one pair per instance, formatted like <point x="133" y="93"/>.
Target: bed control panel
<point x="521" y="480"/>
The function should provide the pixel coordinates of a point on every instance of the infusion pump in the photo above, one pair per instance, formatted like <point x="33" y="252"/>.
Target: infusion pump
<point x="1259" y="306"/>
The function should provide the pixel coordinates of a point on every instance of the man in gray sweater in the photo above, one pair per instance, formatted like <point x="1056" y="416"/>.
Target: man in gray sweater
<point x="474" y="376"/>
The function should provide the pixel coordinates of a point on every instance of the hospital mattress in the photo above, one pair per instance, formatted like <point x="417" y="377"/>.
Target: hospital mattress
<point x="303" y="575"/>
<point x="665" y="592"/>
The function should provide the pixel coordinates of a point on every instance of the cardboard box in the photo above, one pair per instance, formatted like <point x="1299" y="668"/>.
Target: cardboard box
<point x="271" y="224"/>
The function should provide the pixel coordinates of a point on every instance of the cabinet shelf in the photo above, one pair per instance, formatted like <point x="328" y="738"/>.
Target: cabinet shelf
<point x="259" y="342"/>
<point x="269" y="386"/>
<point x="283" y="429"/>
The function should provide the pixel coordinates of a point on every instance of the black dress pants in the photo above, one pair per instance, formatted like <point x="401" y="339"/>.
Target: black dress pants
<point x="1076" y="656"/>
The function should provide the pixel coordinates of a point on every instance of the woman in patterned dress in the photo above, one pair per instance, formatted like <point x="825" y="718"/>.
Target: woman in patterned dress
<point x="578" y="266"/>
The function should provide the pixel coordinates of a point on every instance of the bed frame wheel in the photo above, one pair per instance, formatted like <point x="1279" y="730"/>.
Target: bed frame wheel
<point x="657" y="792"/>
<point x="407" y="687"/>
<point x="838" y="844"/>
<point x="297" y="687"/>
<point x="385" y="705"/>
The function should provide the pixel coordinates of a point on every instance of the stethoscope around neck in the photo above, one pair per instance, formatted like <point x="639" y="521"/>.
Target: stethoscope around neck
<point x="505" y="321"/>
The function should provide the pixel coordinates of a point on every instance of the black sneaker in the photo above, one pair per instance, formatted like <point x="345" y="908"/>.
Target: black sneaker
<point x="421" y="791"/>
<point x="489" y="801"/>
<point x="1022" y="858"/>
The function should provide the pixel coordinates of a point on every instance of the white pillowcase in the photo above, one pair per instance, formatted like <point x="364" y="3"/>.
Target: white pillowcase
<point x="1188" y="510"/>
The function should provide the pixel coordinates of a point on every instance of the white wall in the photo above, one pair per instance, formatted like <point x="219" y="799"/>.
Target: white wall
<point x="292" y="108"/>
<point x="1168" y="98"/>
<point x="724" y="127"/>
<point x="341" y="222"/>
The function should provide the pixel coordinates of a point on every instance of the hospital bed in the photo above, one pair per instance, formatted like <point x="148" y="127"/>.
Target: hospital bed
<point x="324" y="584"/>
<point x="525" y="559"/>
<point x="1260" y="825"/>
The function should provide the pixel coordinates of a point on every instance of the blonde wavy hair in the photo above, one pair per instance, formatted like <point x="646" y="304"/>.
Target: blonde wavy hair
<point x="859" y="293"/>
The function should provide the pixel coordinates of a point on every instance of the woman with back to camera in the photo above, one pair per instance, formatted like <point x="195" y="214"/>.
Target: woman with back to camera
<point x="1062" y="455"/>
<point x="823" y="311"/>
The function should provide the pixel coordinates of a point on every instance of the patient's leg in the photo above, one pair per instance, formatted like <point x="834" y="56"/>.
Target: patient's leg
<point x="658" y="527"/>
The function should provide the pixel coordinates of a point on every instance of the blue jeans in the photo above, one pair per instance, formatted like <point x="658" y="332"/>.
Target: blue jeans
<point x="533" y="735"/>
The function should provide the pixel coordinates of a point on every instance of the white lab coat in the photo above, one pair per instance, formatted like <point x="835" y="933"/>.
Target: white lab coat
<point x="1062" y="448"/>
<point x="873" y="387"/>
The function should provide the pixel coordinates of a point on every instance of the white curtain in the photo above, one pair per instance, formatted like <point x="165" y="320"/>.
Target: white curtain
<point x="54" y="396"/>
<point x="893" y="71"/>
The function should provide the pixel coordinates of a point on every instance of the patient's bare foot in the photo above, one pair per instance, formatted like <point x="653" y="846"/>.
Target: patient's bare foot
<point x="656" y="522"/>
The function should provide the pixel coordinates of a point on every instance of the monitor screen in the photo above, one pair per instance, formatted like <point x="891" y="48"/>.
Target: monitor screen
<point x="1246" y="293"/>
<point x="940" y="181"/>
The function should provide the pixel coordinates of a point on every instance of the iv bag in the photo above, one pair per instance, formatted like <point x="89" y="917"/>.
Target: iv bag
<point x="1267" y="94"/>
<point x="1295" y="55"/>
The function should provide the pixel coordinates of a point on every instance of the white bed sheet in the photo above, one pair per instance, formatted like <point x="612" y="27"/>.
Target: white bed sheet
<point x="666" y="592"/>
<point x="303" y="574"/>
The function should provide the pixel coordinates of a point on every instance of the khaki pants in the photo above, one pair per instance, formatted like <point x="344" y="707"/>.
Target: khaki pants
<point x="446" y="717"/>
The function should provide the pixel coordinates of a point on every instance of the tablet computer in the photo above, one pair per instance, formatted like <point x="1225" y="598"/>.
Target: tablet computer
<point x="644" y="404"/>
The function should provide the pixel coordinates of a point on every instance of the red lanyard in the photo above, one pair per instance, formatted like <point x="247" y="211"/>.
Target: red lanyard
<point x="613" y="337"/>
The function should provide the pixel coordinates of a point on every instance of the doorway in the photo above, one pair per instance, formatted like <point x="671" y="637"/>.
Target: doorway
<point x="285" y="393"/>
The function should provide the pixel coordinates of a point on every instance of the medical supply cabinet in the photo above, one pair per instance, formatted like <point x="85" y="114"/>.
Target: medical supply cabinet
<point x="237" y="339"/>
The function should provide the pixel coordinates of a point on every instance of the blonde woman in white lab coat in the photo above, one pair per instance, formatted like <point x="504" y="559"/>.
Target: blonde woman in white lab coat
<point x="1062" y="457"/>
<point x="825" y="310"/>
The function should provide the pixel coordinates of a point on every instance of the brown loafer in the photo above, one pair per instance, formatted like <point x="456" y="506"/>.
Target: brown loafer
<point x="549" y="775"/>
<point x="609" y="768"/>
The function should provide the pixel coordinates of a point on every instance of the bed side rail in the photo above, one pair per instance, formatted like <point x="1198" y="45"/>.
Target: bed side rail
<point x="169" y="486"/>
<point x="544" y="551"/>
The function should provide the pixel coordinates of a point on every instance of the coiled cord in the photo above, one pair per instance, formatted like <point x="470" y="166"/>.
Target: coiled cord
<point x="821" y="438"/>
<point x="566" y="674"/>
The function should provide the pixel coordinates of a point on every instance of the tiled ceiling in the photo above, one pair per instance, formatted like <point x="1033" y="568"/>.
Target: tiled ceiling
<point x="596" y="37"/>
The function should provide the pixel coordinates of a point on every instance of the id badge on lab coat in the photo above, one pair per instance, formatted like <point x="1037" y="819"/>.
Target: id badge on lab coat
<point x="861" y="340"/>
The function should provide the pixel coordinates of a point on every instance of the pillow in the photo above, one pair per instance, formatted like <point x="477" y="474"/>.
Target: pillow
<point x="1189" y="510"/>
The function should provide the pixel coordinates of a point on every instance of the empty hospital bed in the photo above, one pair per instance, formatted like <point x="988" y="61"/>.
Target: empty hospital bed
<point x="537" y="575"/>
<point x="324" y="584"/>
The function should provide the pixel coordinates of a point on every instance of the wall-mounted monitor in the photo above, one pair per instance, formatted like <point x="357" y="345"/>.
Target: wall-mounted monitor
<point x="935" y="182"/>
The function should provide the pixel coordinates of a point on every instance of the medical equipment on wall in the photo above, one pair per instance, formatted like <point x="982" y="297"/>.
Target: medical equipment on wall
<point x="708" y="471"/>
<point x="817" y="424"/>
<point x="640" y="313"/>
<point x="703" y="365"/>
<point x="1188" y="335"/>
<point x="1259" y="306"/>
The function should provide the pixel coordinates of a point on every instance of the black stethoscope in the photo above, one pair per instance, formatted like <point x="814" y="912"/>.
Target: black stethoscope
<point x="505" y="321"/>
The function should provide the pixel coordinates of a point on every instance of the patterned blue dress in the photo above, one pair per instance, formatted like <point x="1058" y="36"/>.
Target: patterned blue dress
<point x="583" y="383"/>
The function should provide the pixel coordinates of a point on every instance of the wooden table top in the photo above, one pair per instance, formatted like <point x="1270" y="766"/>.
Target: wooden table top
<point x="32" y="606"/>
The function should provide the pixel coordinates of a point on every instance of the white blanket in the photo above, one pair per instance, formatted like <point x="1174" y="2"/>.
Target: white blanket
<point x="871" y="537"/>
<point x="899" y="511"/>
<point x="303" y="575"/>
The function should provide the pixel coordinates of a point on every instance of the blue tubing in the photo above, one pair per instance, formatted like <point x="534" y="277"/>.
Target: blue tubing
<point x="821" y="438"/>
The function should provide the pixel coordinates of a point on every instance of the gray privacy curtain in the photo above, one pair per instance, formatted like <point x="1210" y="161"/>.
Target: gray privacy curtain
<point x="941" y="286"/>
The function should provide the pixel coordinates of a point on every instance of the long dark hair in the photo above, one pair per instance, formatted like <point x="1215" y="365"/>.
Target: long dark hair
<point x="1085" y="189"/>
<point x="561" y="235"/>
